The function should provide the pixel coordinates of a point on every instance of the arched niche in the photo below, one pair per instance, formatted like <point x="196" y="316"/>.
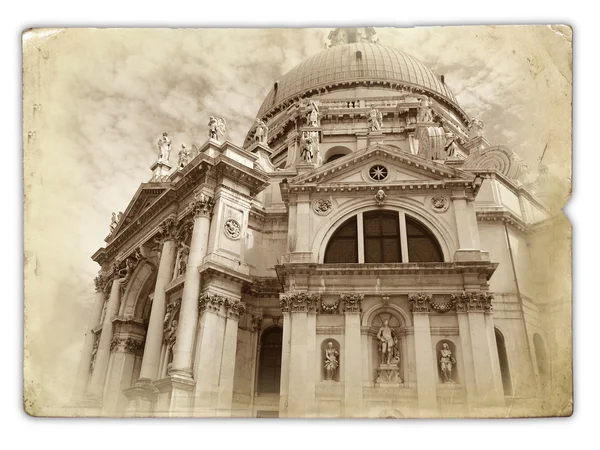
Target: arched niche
<point x="374" y="319"/>
<point x="324" y="360"/>
<point x="269" y="361"/>
<point x="336" y="152"/>
<point x="503" y="359"/>
<point x="452" y="359"/>
<point x="541" y="356"/>
<point x="134" y="301"/>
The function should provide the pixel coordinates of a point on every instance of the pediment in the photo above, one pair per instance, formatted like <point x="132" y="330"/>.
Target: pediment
<point x="143" y="199"/>
<point x="401" y="167"/>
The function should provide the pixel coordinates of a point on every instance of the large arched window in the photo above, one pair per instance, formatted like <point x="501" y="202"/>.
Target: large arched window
<point x="382" y="236"/>
<point x="269" y="368"/>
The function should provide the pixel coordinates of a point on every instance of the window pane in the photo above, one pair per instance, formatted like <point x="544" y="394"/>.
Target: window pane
<point x="343" y="245"/>
<point x="371" y="225"/>
<point x="422" y="245"/>
<point x="389" y="225"/>
<point x="391" y="250"/>
<point x="372" y="250"/>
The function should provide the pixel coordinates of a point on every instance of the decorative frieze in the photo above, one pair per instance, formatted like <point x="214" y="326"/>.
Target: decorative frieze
<point x="299" y="302"/>
<point x="127" y="345"/>
<point x="202" y="205"/>
<point x="420" y="303"/>
<point x="330" y="308"/>
<point x="352" y="302"/>
<point x="473" y="301"/>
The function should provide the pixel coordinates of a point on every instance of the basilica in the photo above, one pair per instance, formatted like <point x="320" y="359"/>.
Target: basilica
<point x="365" y="252"/>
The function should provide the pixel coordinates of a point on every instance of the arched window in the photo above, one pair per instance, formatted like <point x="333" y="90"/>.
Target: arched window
<point x="269" y="368"/>
<point x="503" y="358"/>
<point x="343" y="245"/>
<point x="380" y="237"/>
<point x="422" y="246"/>
<point x="334" y="157"/>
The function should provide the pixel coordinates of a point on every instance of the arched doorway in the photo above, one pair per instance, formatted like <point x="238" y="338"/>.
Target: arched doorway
<point x="269" y="367"/>
<point x="503" y="358"/>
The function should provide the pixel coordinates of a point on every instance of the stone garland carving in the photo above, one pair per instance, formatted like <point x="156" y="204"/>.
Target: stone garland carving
<point x="443" y="307"/>
<point x="420" y="303"/>
<point x="446" y="361"/>
<point x="322" y="206"/>
<point x="232" y="229"/>
<point x="473" y="301"/>
<point x="126" y="345"/>
<point x="331" y="361"/>
<point x="380" y="197"/>
<point x="299" y="302"/>
<point x="440" y="204"/>
<point x="352" y="302"/>
<point x="330" y="308"/>
<point x="202" y="205"/>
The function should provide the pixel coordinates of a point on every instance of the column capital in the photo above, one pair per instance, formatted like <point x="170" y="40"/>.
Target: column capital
<point x="234" y="309"/>
<point x="201" y="205"/>
<point x="352" y="302"/>
<point x="420" y="303"/>
<point x="299" y="302"/>
<point x="127" y="345"/>
<point x="168" y="229"/>
<point x="473" y="301"/>
<point x="210" y="302"/>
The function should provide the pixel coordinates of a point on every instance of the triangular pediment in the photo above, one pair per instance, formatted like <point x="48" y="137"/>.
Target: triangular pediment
<point x="400" y="167"/>
<point x="145" y="196"/>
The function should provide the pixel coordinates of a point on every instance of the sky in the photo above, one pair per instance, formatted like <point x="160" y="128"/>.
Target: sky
<point x="107" y="95"/>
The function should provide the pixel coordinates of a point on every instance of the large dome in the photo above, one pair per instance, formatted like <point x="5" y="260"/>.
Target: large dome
<point x="355" y="63"/>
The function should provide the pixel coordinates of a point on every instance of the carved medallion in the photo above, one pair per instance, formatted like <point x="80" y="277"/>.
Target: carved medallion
<point x="232" y="229"/>
<point x="440" y="204"/>
<point x="322" y="206"/>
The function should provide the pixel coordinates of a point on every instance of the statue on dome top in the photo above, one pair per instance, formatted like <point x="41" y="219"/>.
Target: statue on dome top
<point x="164" y="147"/>
<point x="475" y="128"/>
<point x="375" y="119"/>
<point x="261" y="131"/>
<point x="216" y="127"/>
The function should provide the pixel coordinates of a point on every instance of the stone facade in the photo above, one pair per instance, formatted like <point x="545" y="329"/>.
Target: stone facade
<point x="224" y="282"/>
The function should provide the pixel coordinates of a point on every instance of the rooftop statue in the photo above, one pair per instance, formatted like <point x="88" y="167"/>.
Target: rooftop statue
<point x="313" y="115"/>
<point x="184" y="156"/>
<point x="425" y="111"/>
<point x="475" y="128"/>
<point x="375" y="119"/>
<point x="164" y="148"/>
<point x="216" y="127"/>
<point x="261" y="131"/>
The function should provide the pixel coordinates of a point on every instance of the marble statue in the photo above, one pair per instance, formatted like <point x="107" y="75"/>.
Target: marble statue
<point x="182" y="256"/>
<point x="446" y="362"/>
<point x="164" y="148"/>
<point x="307" y="150"/>
<point x="94" y="352"/>
<point x="425" y="111"/>
<point x="216" y="127"/>
<point x="172" y="333"/>
<point x="113" y="222"/>
<point x="184" y="156"/>
<point x="313" y="114"/>
<point x="166" y="320"/>
<point x="475" y="127"/>
<point x="375" y="120"/>
<point x="387" y="343"/>
<point x="331" y="361"/>
<point x="261" y="131"/>
<point x="450" y="145"/>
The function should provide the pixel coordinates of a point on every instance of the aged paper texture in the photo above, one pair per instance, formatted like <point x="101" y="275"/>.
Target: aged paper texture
<point x="348" y="222"/>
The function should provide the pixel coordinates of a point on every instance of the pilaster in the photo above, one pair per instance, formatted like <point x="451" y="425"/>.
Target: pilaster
<point x="353" y="358"/>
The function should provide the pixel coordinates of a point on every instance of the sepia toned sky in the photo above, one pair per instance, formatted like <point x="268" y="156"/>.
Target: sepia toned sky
<point x="107" y="95"/>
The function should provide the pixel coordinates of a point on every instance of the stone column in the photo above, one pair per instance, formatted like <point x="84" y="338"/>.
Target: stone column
<point x="466" y="351"/>
<point x="123" y="349"/>
<point x="224" y="402"/>
<point x="209" y="351"/>
<point x="301" y="379"/>
<point x="83" y="372"/>
<point x="96" y="386"/>
<point x="426" y="370"/>
<point x="285" y="357"/>
<point x="352" y="354"/>
<point x="154" y="336"/>
<point x="183" y="355"/>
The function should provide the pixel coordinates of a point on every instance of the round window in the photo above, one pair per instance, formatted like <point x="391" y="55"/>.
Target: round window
<point x="378" y="172"/>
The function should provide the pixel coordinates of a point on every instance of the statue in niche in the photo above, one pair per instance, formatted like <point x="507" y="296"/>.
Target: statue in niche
<point x="172" y="335"/>
<point x="166" y="321"/>
<point x="216" y="127"/>
<point x="313" y="114"/>
<point x="425" y="110"/>
<point x="261" y="131"/>
<point x="184" y="156"/>
<point x="94" y="352"/>
<point x="446" y="362"/>
<point x="375" y="120"/>
<point x="182" y="256"/>
<point x="387" y="343"/>
<point x="331" y="361"/>
<point x="164" y="148"/>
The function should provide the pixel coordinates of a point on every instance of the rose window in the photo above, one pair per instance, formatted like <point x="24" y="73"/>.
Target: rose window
<point x="378" y="172"/>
